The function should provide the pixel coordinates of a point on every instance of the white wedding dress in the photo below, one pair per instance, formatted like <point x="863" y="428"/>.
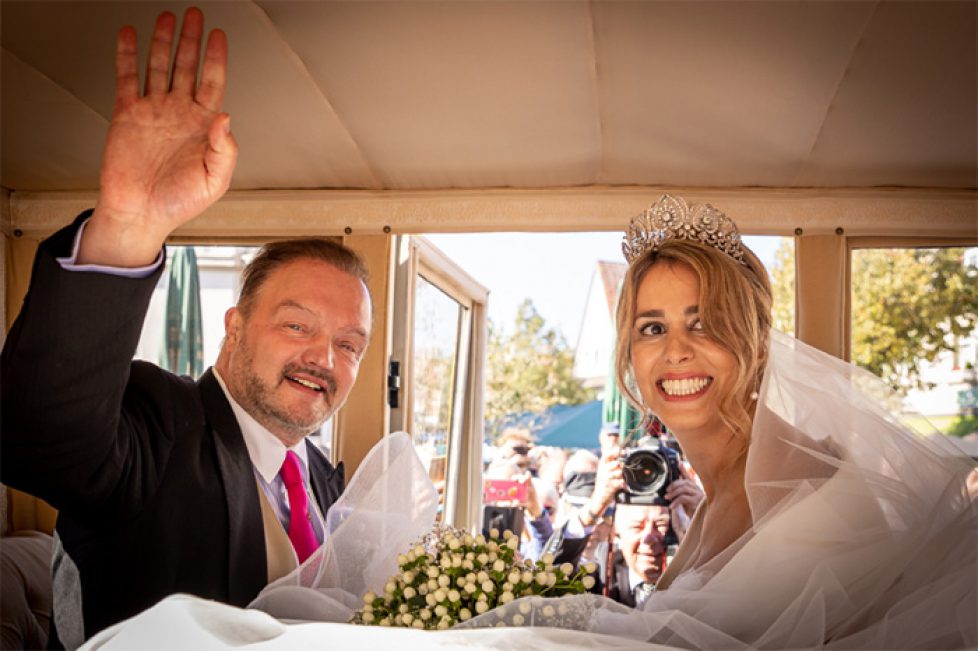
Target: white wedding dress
<point x="865" y="536"/>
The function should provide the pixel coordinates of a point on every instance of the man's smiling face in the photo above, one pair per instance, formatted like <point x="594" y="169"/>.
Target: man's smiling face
<point x="292" y="359"/>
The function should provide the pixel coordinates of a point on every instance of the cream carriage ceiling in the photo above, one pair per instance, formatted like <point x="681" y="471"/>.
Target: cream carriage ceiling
<point x="410" y="95"/>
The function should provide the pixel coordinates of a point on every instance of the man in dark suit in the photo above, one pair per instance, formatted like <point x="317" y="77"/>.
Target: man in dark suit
<point x="164" y="484"/>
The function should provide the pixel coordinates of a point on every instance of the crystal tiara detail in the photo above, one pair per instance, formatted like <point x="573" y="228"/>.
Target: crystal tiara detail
<point x="671" y="218"/>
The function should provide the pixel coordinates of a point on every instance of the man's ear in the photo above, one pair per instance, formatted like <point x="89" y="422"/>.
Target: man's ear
<point x="233" y="322"/>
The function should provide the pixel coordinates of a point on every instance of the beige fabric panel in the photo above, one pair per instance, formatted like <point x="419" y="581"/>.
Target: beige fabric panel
<point x="365" y="418"/>
<point x="820" y="280"/>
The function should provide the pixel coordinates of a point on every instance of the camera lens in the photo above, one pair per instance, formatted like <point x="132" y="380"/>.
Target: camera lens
<point x="645" y="472"/>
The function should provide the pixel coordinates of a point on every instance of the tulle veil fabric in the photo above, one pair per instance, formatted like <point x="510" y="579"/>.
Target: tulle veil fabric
<point x="865" y="536"/>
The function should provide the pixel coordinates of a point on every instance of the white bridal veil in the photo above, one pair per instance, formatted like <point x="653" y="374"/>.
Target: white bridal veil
<point x="865" y="536"/>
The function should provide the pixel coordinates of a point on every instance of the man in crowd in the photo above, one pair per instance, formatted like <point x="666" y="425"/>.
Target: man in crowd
<point x="642" y="534"/>
<point x="163" y="484"/>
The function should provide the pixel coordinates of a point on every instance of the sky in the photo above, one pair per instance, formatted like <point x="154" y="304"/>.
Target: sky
<point x="554" y="270"/>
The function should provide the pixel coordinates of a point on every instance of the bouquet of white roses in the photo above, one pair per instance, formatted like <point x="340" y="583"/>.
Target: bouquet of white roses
<point x="451" y="576"/>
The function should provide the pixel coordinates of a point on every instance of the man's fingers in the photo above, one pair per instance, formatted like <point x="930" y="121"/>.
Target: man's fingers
<point x="188" y="52"/>
<point x="126" y="72"/>
<point x="213" y="78"/>
<point x="158" y="63"/>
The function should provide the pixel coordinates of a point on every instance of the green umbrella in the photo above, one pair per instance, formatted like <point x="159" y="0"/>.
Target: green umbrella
<point x="183" y="342"/>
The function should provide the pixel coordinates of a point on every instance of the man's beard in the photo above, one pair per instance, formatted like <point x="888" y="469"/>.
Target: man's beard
<point x="258" y="399"/>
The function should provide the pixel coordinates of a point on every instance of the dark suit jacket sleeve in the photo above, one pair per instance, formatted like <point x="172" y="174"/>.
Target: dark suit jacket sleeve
<point x="73" y="431"/>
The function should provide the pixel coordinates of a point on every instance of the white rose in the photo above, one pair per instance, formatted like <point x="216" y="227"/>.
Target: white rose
<point x="441" y="611"/>
<point x="481" y="607"/>
<point x="464" y="614"/>
<point x="483" y="558"/>
<point x="419" y="551"/>
<point x="409" y="592"/>
<point x="590" y="567"/>
<point x="514" y="577"/>
<point x="493" y="556"/>
<point x="369" y="597"/>
<point x="417" y="624"/>
<point x="470" y="588"/>
<point x="588" y="582"/>
<point x="507" y="534"/>
<point x="443" y="625"/>
<point x="482" y="597"/>
<point x="401" y="559"/>
<point x="456" y="561"/>
<point x="409" y="577"/>
<point x="470" y="556"/>
<point x="468" y="539"/>
<point x="461" y="581"/>
<point x="385" y="621"/>
<point x="527" y="576"/>
<point x="548" y="559"/>
<point x="440" y="595"/>
<point x="432" y="584"/>
<point x="506" y="597"/>
<point x="541" y="578"/>
<point x="499" y="566"/>
<point x="453" y="544"/>
<point x="467" y="564"/>
<point x="492" y="546"/>
<point x="425" y="614"/>
<point x="454" y="596"/>
<point x="493" y="533"/>
<point x="433" y="571"/>
<point x="407" y="618"/>
<point x="403" y="608"/>
<point x="390" y="587"/>
<point x="567" y="568"/>
<point x="368" y="618"/>
<point x="507" y="586"/>
<point x="430" y="599"/>
<point x="480" y="540"/>
<point x="410" y="556"/>
<point x="487" y="586"/>
<point x="444" y="580"/>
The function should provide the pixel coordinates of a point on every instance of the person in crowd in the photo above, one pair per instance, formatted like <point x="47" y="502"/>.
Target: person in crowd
<point x="538" y="525"/>
<point x="166" y="485"/>
<point x="515" y="443"/>
<point x="824" y="520"/>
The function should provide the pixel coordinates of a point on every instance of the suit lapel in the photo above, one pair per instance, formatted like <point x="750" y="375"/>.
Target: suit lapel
<point x="327" y="482"/>
<point x="247" y="567"/>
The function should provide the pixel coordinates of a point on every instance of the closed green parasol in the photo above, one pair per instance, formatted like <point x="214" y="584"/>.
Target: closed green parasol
<point x="183" y="340"/>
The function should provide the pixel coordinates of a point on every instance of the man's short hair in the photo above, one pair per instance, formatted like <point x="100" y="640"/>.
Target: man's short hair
<point x="277" y="254"/>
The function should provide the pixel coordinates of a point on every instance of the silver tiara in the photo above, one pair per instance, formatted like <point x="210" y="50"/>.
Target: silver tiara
<point x="671" y="218"/>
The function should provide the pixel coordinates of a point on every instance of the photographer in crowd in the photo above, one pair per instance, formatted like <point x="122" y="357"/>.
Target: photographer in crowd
<point x="654" y="500"/>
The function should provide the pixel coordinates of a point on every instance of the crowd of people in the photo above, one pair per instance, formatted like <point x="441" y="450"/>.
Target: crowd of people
<point x="573" y="508"/>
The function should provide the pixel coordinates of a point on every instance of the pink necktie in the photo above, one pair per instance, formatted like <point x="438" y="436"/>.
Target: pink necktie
<point x="300" y="527"/>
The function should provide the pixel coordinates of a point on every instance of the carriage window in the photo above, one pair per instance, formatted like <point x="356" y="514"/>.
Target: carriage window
<point x="439" y="322"/>
<point x="914" y="316"/>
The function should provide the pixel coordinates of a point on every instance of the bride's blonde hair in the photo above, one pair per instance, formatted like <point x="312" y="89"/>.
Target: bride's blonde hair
<point x="734" y="310"/>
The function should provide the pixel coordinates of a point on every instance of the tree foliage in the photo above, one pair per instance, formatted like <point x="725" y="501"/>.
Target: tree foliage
<point x="528" y="370"/>
<point x="783" y="286"/>
<point x="908" y="306"/>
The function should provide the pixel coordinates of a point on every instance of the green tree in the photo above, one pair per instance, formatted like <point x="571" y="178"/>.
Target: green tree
<point x="908" y="306"/>
<point x="783" y="286"/>
<point x="528" y="370"/>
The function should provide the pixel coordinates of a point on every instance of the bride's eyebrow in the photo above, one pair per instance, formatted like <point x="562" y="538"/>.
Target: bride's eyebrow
<point x="692" y="309"/>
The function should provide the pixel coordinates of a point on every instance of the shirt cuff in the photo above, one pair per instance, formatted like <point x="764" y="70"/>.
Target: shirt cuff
<point x="575" y="529"/>
<point x="69" y="264"/>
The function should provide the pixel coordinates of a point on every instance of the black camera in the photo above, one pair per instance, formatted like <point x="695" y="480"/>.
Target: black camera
<point x="648" y="472"/>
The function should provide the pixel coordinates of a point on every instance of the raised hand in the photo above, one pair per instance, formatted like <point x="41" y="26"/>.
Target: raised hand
<point x="169" y="154"/>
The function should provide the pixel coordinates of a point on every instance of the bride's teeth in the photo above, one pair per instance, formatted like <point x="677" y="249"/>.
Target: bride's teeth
<point x="685" y="386"/>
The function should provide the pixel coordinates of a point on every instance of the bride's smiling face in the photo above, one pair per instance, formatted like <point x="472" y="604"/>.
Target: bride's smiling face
<point x="681" y="373"/>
